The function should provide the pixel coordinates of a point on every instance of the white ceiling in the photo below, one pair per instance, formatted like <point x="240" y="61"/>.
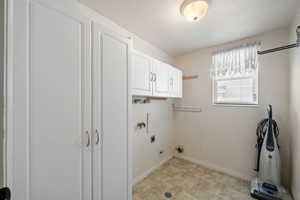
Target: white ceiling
<point x="160" y="23"/>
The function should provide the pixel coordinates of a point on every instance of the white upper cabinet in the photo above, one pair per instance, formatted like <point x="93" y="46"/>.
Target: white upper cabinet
<point x="180" y="78"/>
<point x="151" y="77"/>
<point x="142" y="75"/>
<point x="161" y="79"/>
<point x="175" y="82"/>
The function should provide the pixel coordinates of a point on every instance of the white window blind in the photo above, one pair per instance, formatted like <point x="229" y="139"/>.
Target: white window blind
<point x="235" y="75"/>
<point x="236" y="91"/>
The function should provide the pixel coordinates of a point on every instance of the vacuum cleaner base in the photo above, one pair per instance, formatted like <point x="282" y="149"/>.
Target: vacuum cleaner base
<point x="259" y="192"/>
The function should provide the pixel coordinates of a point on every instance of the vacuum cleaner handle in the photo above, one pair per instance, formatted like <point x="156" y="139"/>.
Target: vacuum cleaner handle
<point x="269" y="110"/>
<point x="270" y="140"/>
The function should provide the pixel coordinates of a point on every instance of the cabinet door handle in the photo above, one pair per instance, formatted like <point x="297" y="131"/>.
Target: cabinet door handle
<point x="97" y="137"/>
<point x="151" y="76"/>
<point x="154" y="77"/>
<point x="88" y="139"/>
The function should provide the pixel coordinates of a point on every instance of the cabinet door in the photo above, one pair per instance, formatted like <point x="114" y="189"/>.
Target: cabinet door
<point x="52" y="155"/>
<point x="172" y="82"/>
<point x="161" y="79"/>
<point x="141" y="75"/>
<point x="179" y="79"/>
<point x="113" y="51"/>
<point x="175" y="78"/>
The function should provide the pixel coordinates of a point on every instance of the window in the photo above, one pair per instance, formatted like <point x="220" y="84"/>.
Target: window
<point x="235" y="76"/>
<point x="242" y="91"/>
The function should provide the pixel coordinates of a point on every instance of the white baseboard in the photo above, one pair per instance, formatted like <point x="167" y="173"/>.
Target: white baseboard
<point x="216" y="168"/>
<point x="148" y="172"/>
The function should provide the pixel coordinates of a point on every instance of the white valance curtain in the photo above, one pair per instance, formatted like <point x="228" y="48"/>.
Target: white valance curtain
<point x="239" y="61"/>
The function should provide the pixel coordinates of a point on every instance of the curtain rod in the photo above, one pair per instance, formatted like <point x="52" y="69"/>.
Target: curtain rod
<point x="278" y="49"/>
<point x="297" y="44"/>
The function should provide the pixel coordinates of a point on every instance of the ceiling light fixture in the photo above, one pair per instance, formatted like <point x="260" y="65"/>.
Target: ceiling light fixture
<point x="194" y="10"/>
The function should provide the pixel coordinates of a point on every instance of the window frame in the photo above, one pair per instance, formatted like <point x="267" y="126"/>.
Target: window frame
<point x="233" y="104"/>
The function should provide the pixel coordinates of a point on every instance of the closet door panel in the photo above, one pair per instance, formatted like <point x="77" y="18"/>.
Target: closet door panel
<point x="141" y="75"/>
<point x="97" y="112"/>
<point x="58" y="102"/>
<point x="115" y="60"/>
<point x="114" y="64"/>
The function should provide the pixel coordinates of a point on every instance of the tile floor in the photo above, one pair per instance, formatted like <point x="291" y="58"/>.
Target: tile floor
<point x="189" y="181"/>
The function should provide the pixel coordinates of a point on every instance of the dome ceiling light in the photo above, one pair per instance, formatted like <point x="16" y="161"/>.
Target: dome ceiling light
<point x="194" y="10"/>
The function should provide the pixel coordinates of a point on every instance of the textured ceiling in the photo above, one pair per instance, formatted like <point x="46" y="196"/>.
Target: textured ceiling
<point x="160" y="23"/>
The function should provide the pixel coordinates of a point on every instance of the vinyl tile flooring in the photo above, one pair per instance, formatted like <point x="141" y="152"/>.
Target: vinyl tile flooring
<point x="188" y="181"/>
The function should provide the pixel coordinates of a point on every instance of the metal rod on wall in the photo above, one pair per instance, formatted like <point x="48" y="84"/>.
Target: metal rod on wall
<point x="278" y="49"/>
<point x="297" y="44"/>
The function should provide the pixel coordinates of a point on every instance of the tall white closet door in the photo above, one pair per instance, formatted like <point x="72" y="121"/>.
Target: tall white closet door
<point x="113" y="50"/>
<point x="97" y="112"/>
<point x="56" y="120"/>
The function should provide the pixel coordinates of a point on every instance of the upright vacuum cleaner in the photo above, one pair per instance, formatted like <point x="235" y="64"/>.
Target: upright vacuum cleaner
<point x="267" y="185"/>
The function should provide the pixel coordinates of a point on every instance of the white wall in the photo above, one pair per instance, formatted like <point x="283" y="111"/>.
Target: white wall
<point x="224" y="137"/>
<point x="295" y="111"/>
<point x="146" y="155"/>
<point x="148" y="49"/>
